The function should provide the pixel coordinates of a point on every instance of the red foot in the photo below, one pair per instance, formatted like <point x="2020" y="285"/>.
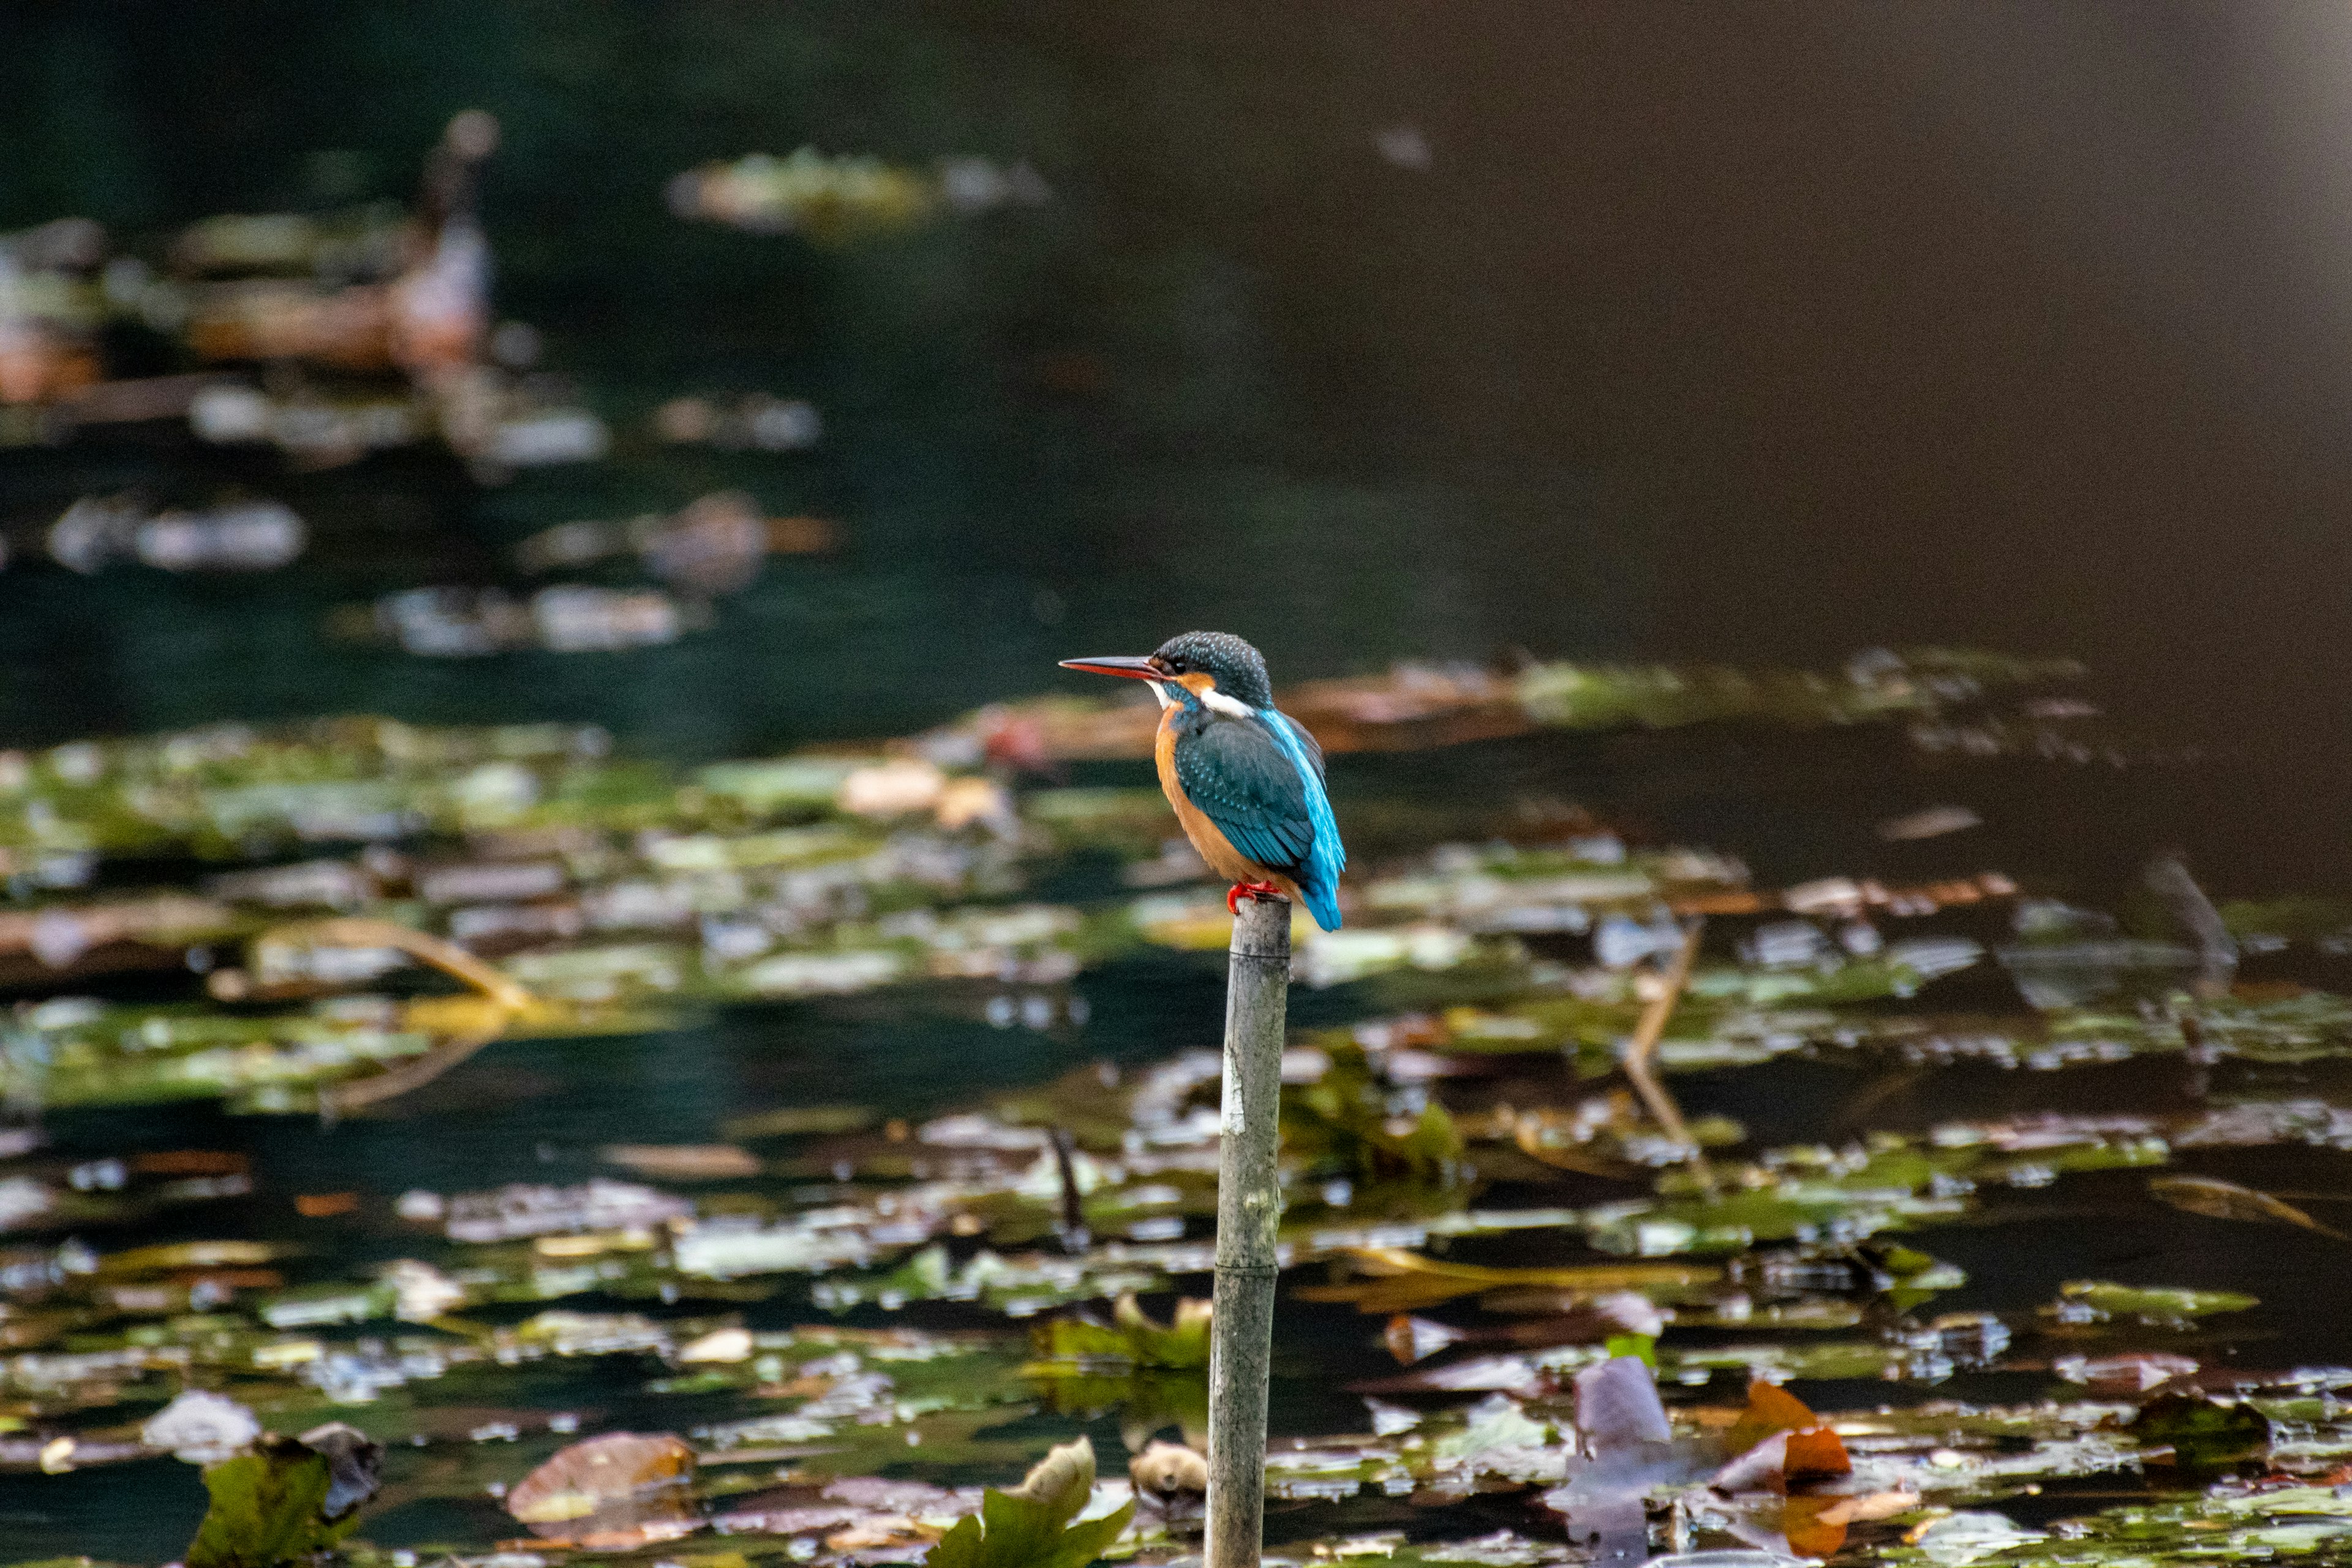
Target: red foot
<point x="1249" y="890"/>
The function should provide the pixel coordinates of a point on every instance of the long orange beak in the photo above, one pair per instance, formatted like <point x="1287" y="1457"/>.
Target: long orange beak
<point x="1135" y="666"/>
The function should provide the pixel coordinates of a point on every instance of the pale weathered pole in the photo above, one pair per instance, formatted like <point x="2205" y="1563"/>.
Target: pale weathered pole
<point x="1249" y="1214"/>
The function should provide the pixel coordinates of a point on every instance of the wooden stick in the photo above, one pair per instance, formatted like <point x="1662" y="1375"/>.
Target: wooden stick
<point x="1249" y="1213"/>
<point x="1644" y="1046"/>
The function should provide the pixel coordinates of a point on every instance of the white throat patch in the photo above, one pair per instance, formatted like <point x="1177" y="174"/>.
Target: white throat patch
<point x="1218" y="702"/>
<point x="1160" y="690"/>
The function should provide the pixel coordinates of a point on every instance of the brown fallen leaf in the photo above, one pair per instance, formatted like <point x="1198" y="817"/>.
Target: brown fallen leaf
<point x="620" y="1484"/>
<point x="1807" y="1525"/>
<point x="1771" y="1408"/>
<point x="2216" y="1199"/>
<point x="1815" y="1454"/>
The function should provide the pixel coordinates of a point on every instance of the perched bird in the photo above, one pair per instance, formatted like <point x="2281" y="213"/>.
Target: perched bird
<point x="1246" y="781"/>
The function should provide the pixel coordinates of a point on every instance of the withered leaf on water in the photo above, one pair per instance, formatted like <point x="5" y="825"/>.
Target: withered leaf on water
<point x="1779" y="1441"/>
<point x="1405" y="1281"/>
<point x="1770" y="1409"/>
<point x="2216" y="1199"/>
<point x="618" y="1480"/>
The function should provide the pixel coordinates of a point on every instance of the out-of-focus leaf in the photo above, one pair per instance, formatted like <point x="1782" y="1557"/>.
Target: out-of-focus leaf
<point x="1404" y="1280"/>
<point x="1030" y="1526"/>
<point x="2169" y="1305"/>
<point x="2203" y="1434"/>
<point x="1770" y="1409"/>
<point x="614" y="1483"/>
<point x="1340" y="1124"/>
<point x="268" y="1508"/>
<point x="2218" y="1199"/>
<point x="1131" y="1337"/>
<point x="354" y="1466"/>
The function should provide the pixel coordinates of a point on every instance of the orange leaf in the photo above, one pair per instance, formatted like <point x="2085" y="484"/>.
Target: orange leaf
<point x="1811" y="1530"/>
<point x="1770" y="1409"/>
<point x="1815" y="1455"/>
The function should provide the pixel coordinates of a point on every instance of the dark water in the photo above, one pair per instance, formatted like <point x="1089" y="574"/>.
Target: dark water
<point x="1745" y="337"/>
<point x="1699" y="337"/>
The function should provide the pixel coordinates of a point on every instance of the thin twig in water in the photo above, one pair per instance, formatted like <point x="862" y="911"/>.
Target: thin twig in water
<point x="508" y="1000"/>
<point x="442" y="954"/>
<point x="341" y="1099"/>
<point x="1644" y="1048"/>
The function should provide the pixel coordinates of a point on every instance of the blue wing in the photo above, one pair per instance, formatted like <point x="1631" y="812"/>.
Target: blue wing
<point x="1261" y="782"/>
<point x="1327" y="857"/>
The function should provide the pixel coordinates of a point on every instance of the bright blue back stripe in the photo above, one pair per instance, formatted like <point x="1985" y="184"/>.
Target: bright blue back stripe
<point x="1329" y="857"/>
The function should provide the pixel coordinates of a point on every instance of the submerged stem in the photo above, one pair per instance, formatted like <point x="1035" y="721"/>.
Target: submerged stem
<point x="1645" y="1048"/>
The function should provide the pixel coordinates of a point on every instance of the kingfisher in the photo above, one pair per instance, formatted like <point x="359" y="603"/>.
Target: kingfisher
<point x="1246" y="779"/>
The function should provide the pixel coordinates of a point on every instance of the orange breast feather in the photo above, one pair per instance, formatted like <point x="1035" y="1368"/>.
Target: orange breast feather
<point x="1227" y="861"/>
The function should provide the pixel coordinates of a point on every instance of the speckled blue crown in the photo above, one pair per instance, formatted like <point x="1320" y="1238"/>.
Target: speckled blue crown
<point x="1238" y="668"/>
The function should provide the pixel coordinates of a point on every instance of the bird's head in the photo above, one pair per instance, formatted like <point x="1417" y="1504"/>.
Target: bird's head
<point x="1215" y="669"/>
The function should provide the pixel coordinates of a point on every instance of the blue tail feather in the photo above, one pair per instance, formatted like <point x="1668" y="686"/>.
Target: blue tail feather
<point x="1318" y="879"/>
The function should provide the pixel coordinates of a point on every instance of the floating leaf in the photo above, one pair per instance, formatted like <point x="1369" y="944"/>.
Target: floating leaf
<point x="1340" y="1124"/>
<point x="1131" y="1338"/>
<point x="1030" y="1526"/>
<point x="2098" y="1299"/>
<point x="2218" y="1199"/>
<point x="683" y="1162"/>
<point x="1770" y="1409"/>
<point x="201" y="1428"/>
<point x="798" y="1120"/>
<point x="2201" y="1433"/>
<point x="618" y="1483"/>
<point x="268" y="1508"/>
<point x="1404" y="1280"/>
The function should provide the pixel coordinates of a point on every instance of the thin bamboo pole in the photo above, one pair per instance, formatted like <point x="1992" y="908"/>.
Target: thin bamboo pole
<point x="1249" y="1213"/>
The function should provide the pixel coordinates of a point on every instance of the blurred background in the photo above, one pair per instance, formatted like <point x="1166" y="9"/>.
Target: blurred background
<point x="1760" y="334"/>
<point x="731" y="379"/>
